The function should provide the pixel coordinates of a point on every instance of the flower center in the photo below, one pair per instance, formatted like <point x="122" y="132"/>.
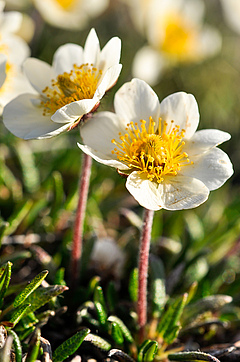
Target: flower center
<point x="179" y="37"/>
<point x="80" y="83"/>
<point x="157" y="153"/>
<point x="65" y="4"/>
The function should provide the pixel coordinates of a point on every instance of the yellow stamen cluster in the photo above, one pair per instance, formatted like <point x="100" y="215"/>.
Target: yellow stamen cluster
<point x="157" y="153"/>
<point x="180" y="38"/>
<point x="80" y="83"/>
<point x="66" y="4"/>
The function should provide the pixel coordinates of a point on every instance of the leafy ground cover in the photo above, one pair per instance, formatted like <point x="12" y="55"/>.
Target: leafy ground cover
<point x="194" y="270"/>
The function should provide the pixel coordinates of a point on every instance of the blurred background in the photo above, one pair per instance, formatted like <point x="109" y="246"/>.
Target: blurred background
<point x="39" y="179"/>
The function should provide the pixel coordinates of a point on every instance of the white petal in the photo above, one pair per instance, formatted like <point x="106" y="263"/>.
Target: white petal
<point x="100" y="158"/>
<point x="67" y="55"/>
<point x="144" y="191"/>
<point x="11" y="22"/>
<point x="182" y="108"/>
<point x="18" y="50"/>
<point x="108" y="81"/>
<point x="210" y="42"/>
<point x="3" y="61"/>
<point x="72" y="111"/>
<point x="135" y="101"/>
<point x="91" y="48"/>
<point x="174" y="193"/>
<point x="205" y="139"/>
<point x="148" y="65"/>
<point x="110" y="54"/>
<point x="39" y="73"/>
<point x="213" y="168"/>
<point x="99" y="132"/>
<point x="25" y="120"/>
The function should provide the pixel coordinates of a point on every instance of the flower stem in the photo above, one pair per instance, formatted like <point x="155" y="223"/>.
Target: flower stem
<point x="143" y="271"/>
<point x="79" y="220"/>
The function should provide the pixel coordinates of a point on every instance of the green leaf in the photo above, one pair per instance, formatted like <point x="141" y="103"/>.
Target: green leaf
<point x="17" y="345"/>
<point x="69" y="346"/>
<point x="125" y="331"/>
<point x="170" y="337"/>
<point x="20" y="298"/>
<point x="30" y="172"/>
<point x="147" y="351"/>
<point x="158" y="286"/>
<point x="116" y="333"/>
<point x="192" y="357"/>
<point x="18" y="313"/>
<point x="4" y="280"/>
<point x="99" y="297"/>
<point x="42" y="295"/>
<point x="34" y="347"/>
<point x="101" y="313"/>
<point x="18" y="216"/>
<point x="58" y="193"/>
<point x="133" y="285"/>
<point x="59" y="277"/>
<point x="171" y="317"/>
<point x="98" y="342"/>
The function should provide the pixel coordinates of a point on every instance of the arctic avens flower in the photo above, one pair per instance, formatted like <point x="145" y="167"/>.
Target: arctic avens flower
<point x="70" y="14"/>
<point x="176" y="35"/>
<point x="66" y="91"/>
<point x="14" y="50"/>
<point x="168" y="164"/>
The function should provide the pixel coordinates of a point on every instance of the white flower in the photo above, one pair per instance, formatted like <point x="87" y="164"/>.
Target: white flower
<point x="231" y="12"/>
<point x="64" y="92"/>
<point x="167" y="163"/>
<point x="15" y="50"/>
<point x="70" y="14"/>
<point x="175" y="35"/>
<point x="107" y="256"/>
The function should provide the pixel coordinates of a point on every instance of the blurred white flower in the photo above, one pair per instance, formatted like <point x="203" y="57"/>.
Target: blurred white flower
<point x="70" y="14"/>
<point x="15" y="50"/>
<point x="66" y="91"/>
<point x="108" y="257"/>
<point x="231" y="12"/>
<point x="175" y="35"/>
<point x="167" y="163"/>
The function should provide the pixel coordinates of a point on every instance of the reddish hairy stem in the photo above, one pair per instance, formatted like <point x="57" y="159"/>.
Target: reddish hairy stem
<point x="143" y="271"/>
<point x="79" y="219"/>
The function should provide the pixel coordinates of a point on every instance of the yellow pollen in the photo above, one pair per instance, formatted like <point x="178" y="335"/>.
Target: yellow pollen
<point x="65" y="4"/>
<point x="180" y="38"/>
<point x="156" y="153"/>
<point x="80" y="83"/>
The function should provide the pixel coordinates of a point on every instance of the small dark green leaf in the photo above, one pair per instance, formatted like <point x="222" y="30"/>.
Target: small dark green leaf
<point x="147" y="351"/>
<point x="17" y="346"/>
<point x="41" y="296"/>
<point x="98" y="296"/>
<point x="4" y="281"/>
<point x="59" y="277"/>
<point x="101" y="313"/>
<point x="34" y="346"/>
<point x="133" y="285"/>
<point x="98" y="342"/>
<point x="125" y="331"/>
<point x="19" y="312"/>
<point x="116" y="333"/>
<point x="20" y="298"/>
<point x="192" y="357"/>
<point x="170" y="337"/>
<point x="69" y="346"/>
<point x="171" y="317"/>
